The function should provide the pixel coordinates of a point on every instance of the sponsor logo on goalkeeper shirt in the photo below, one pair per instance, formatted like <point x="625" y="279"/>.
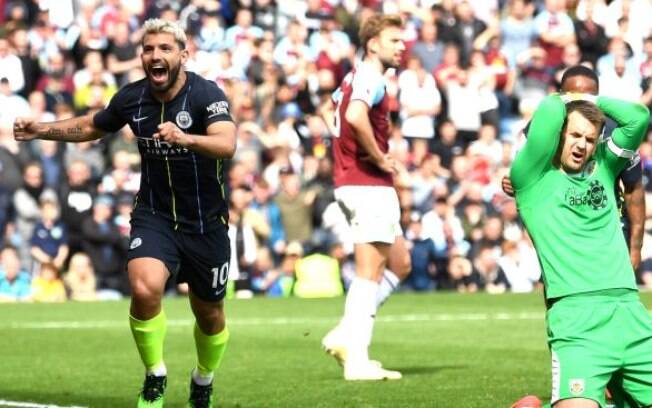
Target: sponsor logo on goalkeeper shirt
<point x="594" y="196"/>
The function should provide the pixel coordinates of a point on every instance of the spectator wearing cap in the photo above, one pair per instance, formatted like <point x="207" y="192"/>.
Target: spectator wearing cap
<point x="49" y="241"/>
<point x="102" y="241"/>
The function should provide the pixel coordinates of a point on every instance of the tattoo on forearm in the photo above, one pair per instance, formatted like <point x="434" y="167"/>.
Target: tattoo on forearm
<point x="54" y="133"/>
<point x="70" y="134"/>
<point x="74" y="131"/>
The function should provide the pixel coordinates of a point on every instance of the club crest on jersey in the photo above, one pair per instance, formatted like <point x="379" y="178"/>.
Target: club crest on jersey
<point x="183" y="119"/>
<point x="597" y="197"/>
<point x="135" y="243"/>
<point x="576" y="386"/>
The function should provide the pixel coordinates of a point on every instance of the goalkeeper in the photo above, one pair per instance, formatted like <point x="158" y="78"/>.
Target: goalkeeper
<point x="562" y="177"/>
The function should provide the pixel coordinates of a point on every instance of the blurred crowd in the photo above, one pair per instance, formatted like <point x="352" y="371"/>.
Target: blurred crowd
<point x="472" y="75"/>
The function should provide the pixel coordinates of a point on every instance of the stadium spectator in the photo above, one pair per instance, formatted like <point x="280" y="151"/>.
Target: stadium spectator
<point x="26" y="203"/>
<point x="589" y="30"/>
<point x="428" y="49"/>
<point x="11" y="67"/>
<point x="424" y="255"/>
<point x="517" y="29"/>
<point x="102" y="241"/>
<point x="243" y="225"/>
<point x="263" y="203"/>
<point x="80" y="281"/>
<point x="555" y="30"/>
<point x="77" y="193"/>
<point x="49" y="241"/>
<point x="420" y="103"/>
<point x="296" y="207"/>
<point x="15" y="281"/>
<point x="47" y="286"/>
<point x="492" y="277"/>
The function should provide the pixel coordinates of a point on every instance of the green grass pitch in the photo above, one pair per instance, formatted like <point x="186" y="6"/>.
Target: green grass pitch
<point x="454" y="351"/>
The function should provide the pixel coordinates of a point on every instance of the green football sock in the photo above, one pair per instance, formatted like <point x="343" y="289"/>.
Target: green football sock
<point x="210" y="350"/>
<point x="149" y="336"/>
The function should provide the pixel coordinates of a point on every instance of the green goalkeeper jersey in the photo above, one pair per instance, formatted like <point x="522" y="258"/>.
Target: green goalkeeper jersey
<point x="573" y="219"/>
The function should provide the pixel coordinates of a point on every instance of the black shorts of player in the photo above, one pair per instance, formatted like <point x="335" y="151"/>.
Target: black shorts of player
<point x="201" y="260"/>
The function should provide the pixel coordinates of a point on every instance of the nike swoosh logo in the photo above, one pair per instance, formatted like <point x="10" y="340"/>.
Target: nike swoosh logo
<point x="219" y="292"/>
<point x="135" y="119"/>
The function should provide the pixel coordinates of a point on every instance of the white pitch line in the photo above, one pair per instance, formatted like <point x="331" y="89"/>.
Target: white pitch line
<point x="4" y="403"/>
<point x="283" y="321"/>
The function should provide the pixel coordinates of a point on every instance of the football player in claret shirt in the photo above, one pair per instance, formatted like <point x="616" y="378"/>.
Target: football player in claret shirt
<point x="563" y="179"/>
<point x="179" y="222"/>
<point x="363" y="175"/>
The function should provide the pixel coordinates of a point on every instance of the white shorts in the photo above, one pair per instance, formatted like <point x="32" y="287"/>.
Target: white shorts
<point x="373" y="212"/>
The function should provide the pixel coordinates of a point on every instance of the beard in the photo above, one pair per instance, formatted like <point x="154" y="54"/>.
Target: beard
<point x="173" y="74"/>
<point x="389" y="63"/>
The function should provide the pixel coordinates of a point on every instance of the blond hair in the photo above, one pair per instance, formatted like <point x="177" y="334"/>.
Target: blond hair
<point x="156" y="26"/>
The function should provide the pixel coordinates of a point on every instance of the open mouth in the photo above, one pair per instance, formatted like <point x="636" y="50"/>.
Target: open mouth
<point x="159" y="73"/>
<point x="577" y="157"/>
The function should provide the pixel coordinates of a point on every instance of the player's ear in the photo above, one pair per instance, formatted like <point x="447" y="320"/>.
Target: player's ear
<point x="184" y="56"/>
<point x="373" y="45"/>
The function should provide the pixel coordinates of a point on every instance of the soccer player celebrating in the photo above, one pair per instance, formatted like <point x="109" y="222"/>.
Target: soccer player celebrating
<point x="364" y="190"/>
<point x="179" y="222"/>
<point x="563" y="183"/>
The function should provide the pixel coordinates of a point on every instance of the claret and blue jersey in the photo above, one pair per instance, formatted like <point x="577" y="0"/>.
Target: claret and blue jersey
<point x="180" y="185"/>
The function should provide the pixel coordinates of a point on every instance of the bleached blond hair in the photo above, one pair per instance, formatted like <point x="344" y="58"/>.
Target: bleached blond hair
<point x="156" y="26"/>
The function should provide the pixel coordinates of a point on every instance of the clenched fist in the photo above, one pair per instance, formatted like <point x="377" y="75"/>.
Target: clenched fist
<point x="25" y="129"/>
<point x="169" y="132"/>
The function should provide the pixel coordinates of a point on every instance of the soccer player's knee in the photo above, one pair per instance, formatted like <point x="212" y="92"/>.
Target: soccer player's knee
<point x="143" y="292"/>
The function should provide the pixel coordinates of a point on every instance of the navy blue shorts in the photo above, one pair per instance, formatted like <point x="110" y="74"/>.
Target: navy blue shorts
<point x="201" y="260"/>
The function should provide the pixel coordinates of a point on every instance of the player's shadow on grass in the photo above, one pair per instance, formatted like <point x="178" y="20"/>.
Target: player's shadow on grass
<point x="423" y="370"/>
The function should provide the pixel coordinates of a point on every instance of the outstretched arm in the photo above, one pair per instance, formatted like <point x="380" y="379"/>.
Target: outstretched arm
<point x="77" y="129"/>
